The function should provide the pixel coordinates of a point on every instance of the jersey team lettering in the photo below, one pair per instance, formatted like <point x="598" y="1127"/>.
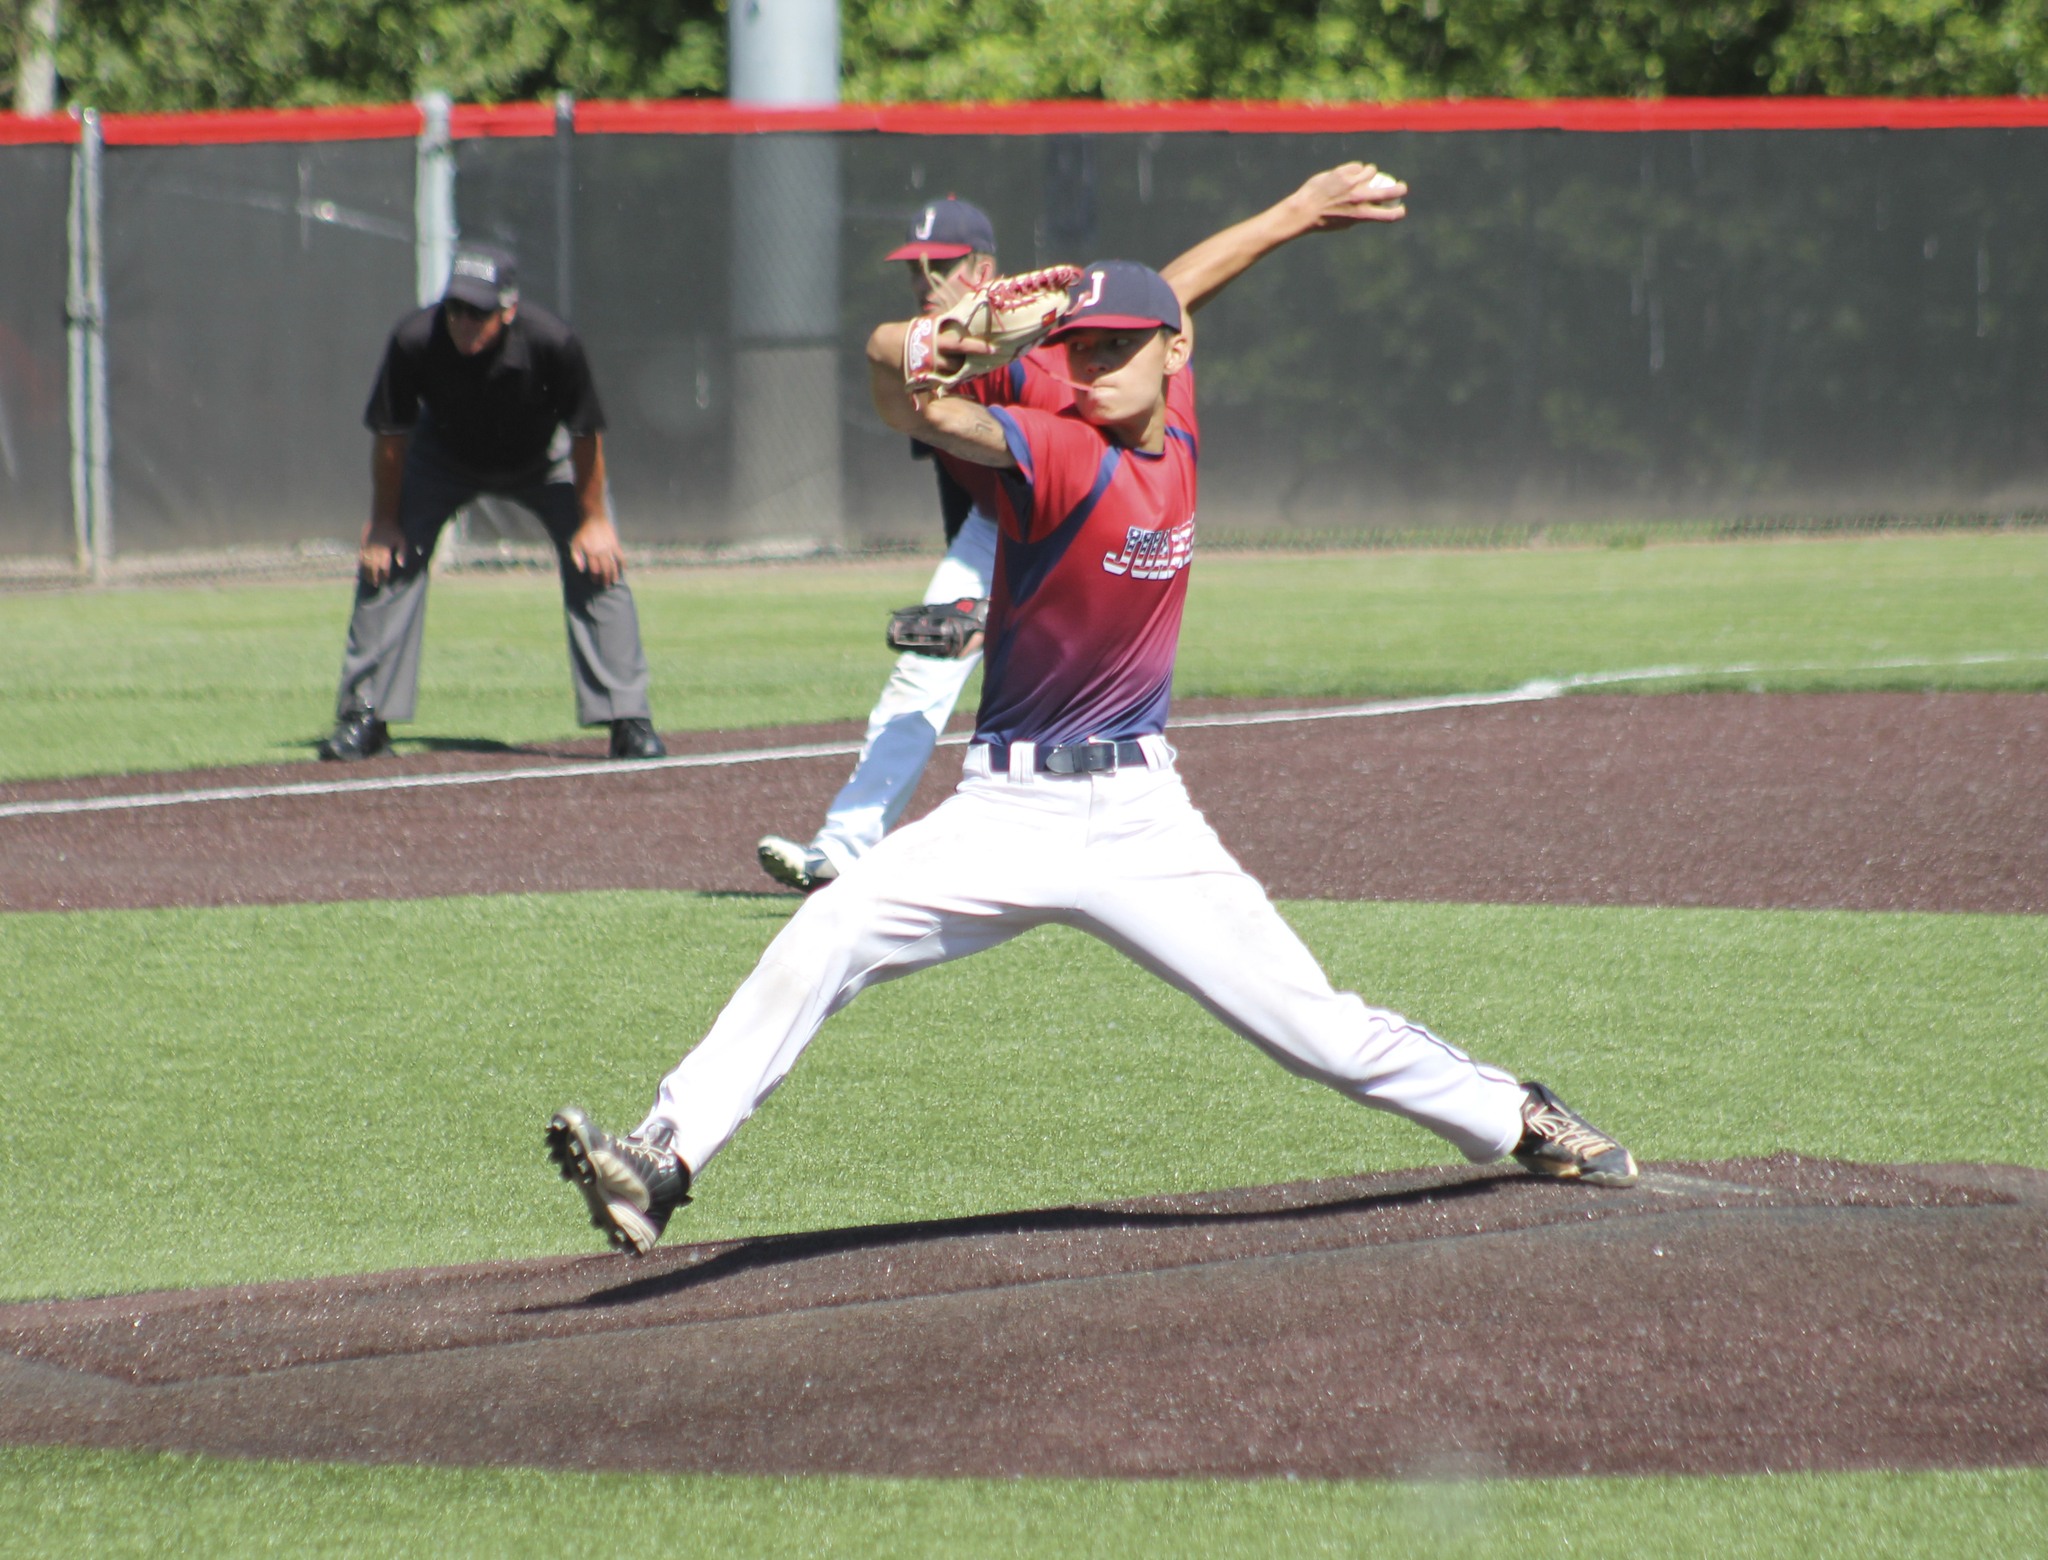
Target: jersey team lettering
<point x="1153" y="555"/>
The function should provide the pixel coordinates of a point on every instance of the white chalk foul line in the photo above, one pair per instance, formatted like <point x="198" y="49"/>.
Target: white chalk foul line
<point x="1529" y="692"/>
<point x="641" y="766"/>
<point x="253" y="793"/>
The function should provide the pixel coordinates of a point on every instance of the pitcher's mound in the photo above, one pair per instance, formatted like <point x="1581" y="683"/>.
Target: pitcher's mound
<point x="1762" y="1314"/>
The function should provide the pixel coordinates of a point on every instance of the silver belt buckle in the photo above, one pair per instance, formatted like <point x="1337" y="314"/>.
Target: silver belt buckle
<point x="1082" y="758"/>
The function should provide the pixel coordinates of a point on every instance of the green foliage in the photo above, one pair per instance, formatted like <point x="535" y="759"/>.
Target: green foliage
<point x="139" y="55"/>
<point x="1342" y="50"/>
<point x="1349" y="49"/>
<point x="193" y="54"/>
<point x="1912" y="47"/>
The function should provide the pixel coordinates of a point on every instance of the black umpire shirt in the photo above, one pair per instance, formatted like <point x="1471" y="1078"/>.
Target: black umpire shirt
<point x="495" y="413"/>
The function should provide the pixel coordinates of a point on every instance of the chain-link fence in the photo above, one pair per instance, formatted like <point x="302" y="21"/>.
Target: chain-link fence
<point x="1572" y="328"/>
<point x="35" y="440"/>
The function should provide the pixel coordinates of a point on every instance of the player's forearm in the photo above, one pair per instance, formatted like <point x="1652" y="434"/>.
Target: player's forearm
<point x="885" y="379"/>
<point x="962" y="428"/>
<point x="1341" y="197"/>
<point x="969" y="430"/>
<point x="1198" y="275"/>
<point x="586" y="464"/>
<point x="387" y="476"/>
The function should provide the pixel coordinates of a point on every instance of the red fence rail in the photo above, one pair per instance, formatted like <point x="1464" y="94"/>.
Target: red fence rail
<point x="715" y="116"/>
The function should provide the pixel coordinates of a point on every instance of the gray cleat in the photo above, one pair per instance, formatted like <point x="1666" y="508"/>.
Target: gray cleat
<point x="632" y="1184"/>
<point x="1560" y="1143"/>
<point x="802" y="867"/>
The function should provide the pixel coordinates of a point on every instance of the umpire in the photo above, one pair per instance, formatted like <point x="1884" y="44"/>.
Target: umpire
<point x="478" y="394"/>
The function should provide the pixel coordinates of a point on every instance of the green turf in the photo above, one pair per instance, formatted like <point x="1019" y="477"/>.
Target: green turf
<point x="277" y="1062"/>
<point x="80" y="1502"/>
<point x="173" y="1065"/>
<point x="188" y="677"/>
<point x="282" y="1063"/>
<point x="1805" y="615"/>
<point x="168" y="678"/>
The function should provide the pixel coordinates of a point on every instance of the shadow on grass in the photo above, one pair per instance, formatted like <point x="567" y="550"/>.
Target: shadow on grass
<point x="474" y="745"/>
<point x="400" y="747"/>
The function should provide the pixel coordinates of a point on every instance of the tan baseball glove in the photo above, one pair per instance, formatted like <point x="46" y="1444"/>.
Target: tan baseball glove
<point x="985" y="330"/>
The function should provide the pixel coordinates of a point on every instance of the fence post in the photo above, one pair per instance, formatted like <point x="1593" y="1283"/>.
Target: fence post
<point x="85" y="313"/>
<point x="433" y="249"/>
<point x="786" y="479"/>
<point x="433" y="200"/>
<point x="565" y="204"/>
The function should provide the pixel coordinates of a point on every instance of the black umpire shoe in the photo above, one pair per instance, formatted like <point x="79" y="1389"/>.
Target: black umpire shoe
<point x="636" y="738"/>
<point x="355" y="736"/>
<point x="1560" y="1143"/>
<point x="632" y="1184"/>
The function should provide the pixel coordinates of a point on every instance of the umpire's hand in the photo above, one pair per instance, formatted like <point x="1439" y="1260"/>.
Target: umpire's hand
<point x="382" y="550"/>
<point x="595" y="550"/>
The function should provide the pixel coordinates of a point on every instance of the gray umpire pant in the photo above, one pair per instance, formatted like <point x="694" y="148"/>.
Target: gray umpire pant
<point x="380" y="671"/>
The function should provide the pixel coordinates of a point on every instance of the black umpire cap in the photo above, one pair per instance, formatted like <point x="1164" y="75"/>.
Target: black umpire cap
<point x="949" y="229"/>
<point x="483" y="276"/>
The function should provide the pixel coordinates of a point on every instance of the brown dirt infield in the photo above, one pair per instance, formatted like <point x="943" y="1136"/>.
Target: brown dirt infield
<point x="1762" y="1315"/>
<point x="1850" y="801"/>
<point x="1770" y="1314"/>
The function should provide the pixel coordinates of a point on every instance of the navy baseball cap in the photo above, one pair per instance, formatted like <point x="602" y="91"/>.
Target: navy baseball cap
<point x="948" y="229"/>
<point x="1119" y="295"/>
<point x="483" y="276"/>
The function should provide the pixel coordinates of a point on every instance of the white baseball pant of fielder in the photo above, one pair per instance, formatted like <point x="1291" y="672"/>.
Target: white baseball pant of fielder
<point x="1122" y="855"/>
<point x="910" y="716"/>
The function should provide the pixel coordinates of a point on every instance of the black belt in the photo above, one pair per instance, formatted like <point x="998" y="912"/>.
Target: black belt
<point x="1073" y="758"/>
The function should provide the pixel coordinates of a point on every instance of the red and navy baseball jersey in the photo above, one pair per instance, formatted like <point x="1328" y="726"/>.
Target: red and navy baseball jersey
<point x="1035" y="379"/>
<point x="1091" y="571"/>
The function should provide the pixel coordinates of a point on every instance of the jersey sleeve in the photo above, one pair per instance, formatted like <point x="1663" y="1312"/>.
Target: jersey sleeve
<point x="395" y="398"/>
<point x="1061" y="464"/>
<point x="574" y="390"/>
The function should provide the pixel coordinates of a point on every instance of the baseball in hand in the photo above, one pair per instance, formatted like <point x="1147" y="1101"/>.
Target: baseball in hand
<point x="1351" y="193"/>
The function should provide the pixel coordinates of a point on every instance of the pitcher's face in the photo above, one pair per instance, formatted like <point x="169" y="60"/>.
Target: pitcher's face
<point x="1119" y="375"/>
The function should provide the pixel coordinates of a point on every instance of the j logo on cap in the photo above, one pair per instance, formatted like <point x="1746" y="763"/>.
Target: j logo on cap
<point x="1120" y="295"/>
<point x="947" y="229"/>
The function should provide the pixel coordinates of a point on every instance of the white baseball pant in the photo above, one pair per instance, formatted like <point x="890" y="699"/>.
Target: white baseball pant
<point x="905" y="725"/>
<point x="1123" y="856"/>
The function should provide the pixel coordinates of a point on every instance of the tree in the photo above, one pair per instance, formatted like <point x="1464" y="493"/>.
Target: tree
<point x="192" y="54"/>
<point x="196" y="54"/>
<point x="1338" y="50"/>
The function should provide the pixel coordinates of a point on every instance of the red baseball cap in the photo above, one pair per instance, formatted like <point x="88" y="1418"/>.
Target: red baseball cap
<point x="948" y="229"/>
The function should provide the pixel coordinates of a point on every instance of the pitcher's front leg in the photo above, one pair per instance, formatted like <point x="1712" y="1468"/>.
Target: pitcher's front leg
<point x="909" y="904"/>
